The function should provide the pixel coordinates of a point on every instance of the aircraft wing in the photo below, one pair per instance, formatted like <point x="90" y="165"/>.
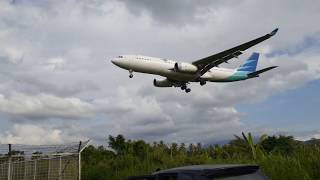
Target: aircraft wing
<point x="207" y="63"/>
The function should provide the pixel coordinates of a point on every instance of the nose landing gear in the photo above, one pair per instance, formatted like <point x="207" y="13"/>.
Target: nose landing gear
<point x="130" y="74"/>
<point x="202" y="83"/>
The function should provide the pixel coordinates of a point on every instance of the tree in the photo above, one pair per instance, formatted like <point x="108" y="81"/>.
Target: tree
<point x="256" y="148"/>
<point x="281" y="144"/>
<point x="140" y="149"/>
<point x="182" y="148"/>
<point x="174" y="148"/>
<point x="191" y="149"/>
<point x="118" y="144"/>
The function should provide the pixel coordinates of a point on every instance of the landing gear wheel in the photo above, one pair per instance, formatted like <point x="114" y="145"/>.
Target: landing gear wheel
<point x="183" y="87"/>
<point x="188" y="90"/>
<point x="202" y="83"/>
<point x="130" y="74"/>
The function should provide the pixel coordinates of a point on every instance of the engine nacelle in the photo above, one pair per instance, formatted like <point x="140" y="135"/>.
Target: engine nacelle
<point x="185" y="67"/>
<point x="162" y="83"/>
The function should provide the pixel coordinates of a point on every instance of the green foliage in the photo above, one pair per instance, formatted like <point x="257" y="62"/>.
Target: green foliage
<point x="248" y="143"/>
<point x="279" y="144"/>
<point x="281" y="167"/>
<point x="280" y="157"/>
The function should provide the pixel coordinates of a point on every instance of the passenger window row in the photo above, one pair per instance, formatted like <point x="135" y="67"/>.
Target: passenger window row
<point x="142" y="58"/>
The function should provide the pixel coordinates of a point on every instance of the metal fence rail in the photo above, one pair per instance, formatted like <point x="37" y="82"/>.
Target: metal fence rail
<point x="54" y="162"/>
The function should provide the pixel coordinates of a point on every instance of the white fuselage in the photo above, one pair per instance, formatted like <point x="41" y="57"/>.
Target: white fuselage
<point x="164" y="67"/>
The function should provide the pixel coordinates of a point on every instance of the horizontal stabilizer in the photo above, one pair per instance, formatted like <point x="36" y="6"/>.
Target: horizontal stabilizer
<point x="256" y="73"/>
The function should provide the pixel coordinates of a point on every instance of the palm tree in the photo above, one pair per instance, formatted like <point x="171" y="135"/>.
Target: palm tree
<point x="118" y="144"/>
<point x="256" y="148"/>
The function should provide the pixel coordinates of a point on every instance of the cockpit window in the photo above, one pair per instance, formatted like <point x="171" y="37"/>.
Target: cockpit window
<point x="120" y="56"/>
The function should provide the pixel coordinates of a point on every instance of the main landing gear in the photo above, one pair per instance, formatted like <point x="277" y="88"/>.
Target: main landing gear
<point x="130" y="73"/>
<point x="202" y="83"/>
<point x="185" y="88"/>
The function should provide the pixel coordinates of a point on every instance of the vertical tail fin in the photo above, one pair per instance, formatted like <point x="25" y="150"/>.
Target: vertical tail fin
<point x="251" y="63"/>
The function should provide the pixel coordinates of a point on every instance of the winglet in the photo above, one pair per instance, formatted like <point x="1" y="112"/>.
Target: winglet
<point x="274" y="32"/>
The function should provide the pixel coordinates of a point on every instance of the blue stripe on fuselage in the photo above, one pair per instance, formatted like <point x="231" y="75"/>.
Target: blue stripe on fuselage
<point x="238" y="76"/>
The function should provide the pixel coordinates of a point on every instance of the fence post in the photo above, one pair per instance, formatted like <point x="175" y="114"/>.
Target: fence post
<point x="25" y="170"/>
<point x="35" y="170"/>
<point x="49" y="168"/>
<point x="79" y="160"/>
<point x="60" y="174"/>
<point x="9" y="162"/>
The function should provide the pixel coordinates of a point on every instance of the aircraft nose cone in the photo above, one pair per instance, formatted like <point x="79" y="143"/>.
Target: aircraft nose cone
<point x="119" y="62"/>
<point x="115" y="61"/>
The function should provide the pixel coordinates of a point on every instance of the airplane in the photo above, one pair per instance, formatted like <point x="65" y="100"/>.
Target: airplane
<point x="180" y="74"/>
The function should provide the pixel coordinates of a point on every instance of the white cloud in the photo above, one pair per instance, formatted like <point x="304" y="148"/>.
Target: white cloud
<point x="44" y="106"/>
<point x="32" y="134"/>
<point x="54" y="63"/>
<point x="12" y="55"/>
<point x="307" y="135"/>
<point x="42" y="133"/>
<point x="66" y="72"/>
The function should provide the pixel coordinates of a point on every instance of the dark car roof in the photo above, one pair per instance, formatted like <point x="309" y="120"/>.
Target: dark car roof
<point x="209" y="168"/>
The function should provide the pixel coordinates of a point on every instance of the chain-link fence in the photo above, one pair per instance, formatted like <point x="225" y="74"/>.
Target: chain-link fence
<point x="53" y="162"/>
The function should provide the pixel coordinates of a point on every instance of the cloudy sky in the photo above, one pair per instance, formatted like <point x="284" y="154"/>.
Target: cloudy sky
<point x="58" y="84"/>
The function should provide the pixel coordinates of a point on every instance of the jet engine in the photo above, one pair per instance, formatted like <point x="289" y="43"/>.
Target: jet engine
<point x="185" y="67"/>
<point x="162" y="83"/>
